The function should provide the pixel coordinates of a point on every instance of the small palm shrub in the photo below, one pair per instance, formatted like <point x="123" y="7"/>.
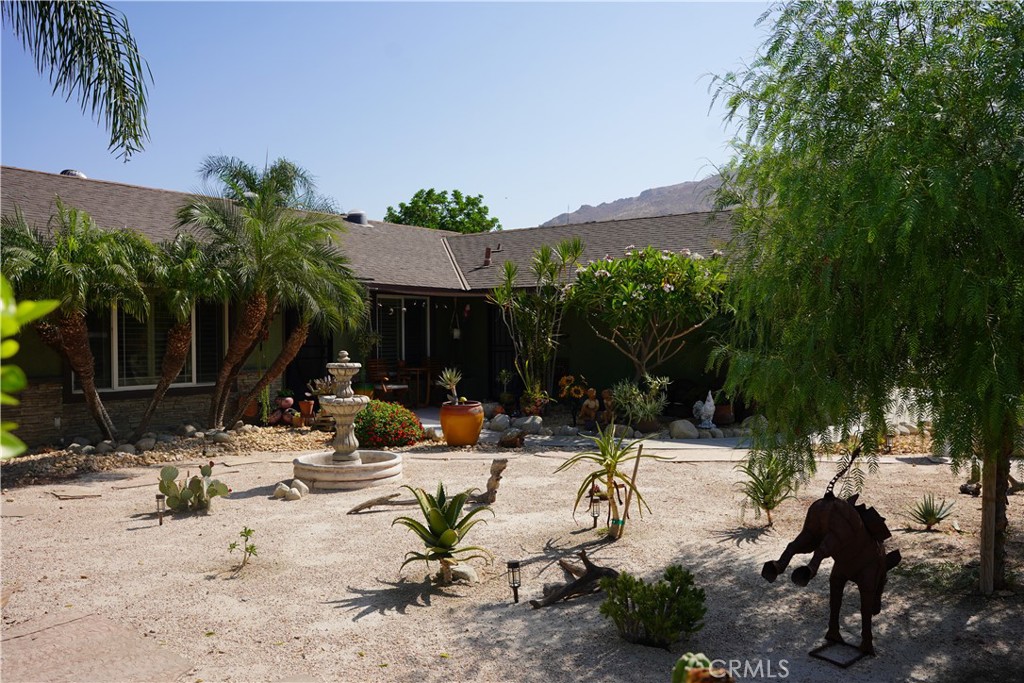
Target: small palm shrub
<point x="656" y="614"/>
<point x="382" y="425"/>
<point x="444" y="530"/>
<point x="771" y="480"/>
<point x="928" y="512"/>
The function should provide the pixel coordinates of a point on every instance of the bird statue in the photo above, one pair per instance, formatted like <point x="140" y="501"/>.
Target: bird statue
<point x="704" y="411"/>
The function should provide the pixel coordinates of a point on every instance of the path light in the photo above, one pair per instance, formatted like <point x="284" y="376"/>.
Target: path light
<point x="888" y="442"/>
<point x="595" y="508"/>
<point x="160" y="507"/>
<point x="515" y="579"/>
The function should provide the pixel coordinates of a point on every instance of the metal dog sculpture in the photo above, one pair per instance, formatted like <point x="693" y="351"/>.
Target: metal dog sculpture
<point x="853" y="535"/>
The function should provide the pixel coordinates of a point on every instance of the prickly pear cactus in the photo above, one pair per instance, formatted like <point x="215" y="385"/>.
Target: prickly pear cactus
<point x="193" y="494"/>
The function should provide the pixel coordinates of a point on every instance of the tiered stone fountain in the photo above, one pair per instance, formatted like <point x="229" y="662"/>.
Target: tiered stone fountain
<point x="346" y="467"/>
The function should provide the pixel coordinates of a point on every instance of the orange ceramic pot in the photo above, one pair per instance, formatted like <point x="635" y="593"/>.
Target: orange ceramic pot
<point x="461" y="423"/>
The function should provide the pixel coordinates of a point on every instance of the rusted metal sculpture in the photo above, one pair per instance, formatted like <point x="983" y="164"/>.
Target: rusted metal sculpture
<point x="853" y="535"/>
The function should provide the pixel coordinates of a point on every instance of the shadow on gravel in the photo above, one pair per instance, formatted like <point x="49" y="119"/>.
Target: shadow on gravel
<point x="396" y="596"/>
<point x="742" y="535"/>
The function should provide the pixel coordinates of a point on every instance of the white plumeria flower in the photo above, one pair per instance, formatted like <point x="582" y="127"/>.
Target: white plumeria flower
<point x="696" y="256"/>
<point x="685" y="252"/>
<point x="667" y="287"/>
<point x="716" y="253"/>
<point x="602" y="273"/>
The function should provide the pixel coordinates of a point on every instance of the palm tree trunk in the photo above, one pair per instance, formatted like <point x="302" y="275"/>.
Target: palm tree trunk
<point x="288" y="352"/>
<point x="179" y="345"/>
<point x="72" y="335"/>
<point x="257" y="339"/>
<point x="241" y="337"/>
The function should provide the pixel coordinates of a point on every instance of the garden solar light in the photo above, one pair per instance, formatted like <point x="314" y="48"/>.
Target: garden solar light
<point x="514" y="578"/>
<point x="595" y="508"/>
<point x="888" y="442"/>
<point x="160" y="507"/>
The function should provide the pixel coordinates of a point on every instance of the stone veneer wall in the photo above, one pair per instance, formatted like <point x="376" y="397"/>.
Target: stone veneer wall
<point x="43" y="401"/>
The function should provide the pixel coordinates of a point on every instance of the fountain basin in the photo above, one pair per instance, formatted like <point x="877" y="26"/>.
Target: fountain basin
<point x="374" y="468"/>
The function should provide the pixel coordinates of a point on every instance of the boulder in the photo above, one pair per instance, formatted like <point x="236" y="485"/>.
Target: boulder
<point x="75" y="448"/>
<point x="490" y="409"/>
<point x="186" y="430"/>
<point x="716" y="433"/>
<point x="238" y="425"/>
<point x="545" y="432"/>
<point x="300" y="486"/>
<point x="143" y="445"/>
<point x="221" y="437"/>
<point x="125" y="448"/>
<point x="88" y="450"/>
<point x="683" y="429"/>
<point x="104" y="447"/>
<point x="532" y="424"/>
<point x="623" y="432"/>
<point x="281" y="490"/>
<point x="486" y="425"/>
<point x="500" y="423"/>
<point x="911" y="428"/>
<point x="464" y="572"/>
<point x="434" y="434"/>
<point x="902" y="431"/>
<point x="566" y="430"/>
<point x="293" y="494"/>
<point x="199" y="435"/>
<point x="165" y="438"/>
<point x="704" y="433"/>
<point x="82" y="441"/>
<point x="512" y="438"/>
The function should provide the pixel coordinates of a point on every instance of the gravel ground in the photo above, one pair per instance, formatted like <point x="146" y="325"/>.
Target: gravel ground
<point x="325" y="598"/>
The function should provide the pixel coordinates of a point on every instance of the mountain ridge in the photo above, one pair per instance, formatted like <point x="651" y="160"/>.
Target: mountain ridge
<point x="688" y="197"/>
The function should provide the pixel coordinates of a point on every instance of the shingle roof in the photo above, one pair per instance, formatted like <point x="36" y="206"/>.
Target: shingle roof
<point x="383" y="254"/>
<point x="700" y="232"/>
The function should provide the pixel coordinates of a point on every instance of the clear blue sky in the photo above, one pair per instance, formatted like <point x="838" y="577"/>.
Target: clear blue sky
<point x="539" y="107"/>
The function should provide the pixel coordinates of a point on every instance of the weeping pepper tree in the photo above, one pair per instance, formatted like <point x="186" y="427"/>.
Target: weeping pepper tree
<point x="879" y="191"/>
<point x="86" y="268"/>
<point x="276" y="239"/>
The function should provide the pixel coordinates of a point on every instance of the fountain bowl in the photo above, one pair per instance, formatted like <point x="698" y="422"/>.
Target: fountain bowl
<point x="374" y="468"/>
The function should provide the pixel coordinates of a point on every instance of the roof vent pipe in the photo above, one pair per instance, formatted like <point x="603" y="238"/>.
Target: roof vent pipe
<point x="357" y="217"/>
<point x="72" y="173"/>
<point x="487" y="256"/>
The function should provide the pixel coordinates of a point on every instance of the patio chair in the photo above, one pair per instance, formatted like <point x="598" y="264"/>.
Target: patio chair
<point x="378" y="374"/>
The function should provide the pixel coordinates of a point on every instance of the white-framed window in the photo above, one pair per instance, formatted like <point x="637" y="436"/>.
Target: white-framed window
<point x="128" y="354"/>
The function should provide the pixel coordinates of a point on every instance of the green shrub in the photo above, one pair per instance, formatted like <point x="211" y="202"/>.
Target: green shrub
<point x="771" y="480"/>
<point x="636" y="404"/>
<point x="383" y="424"/>
<point x="928" y="512"/>
<point x="655" y="614"/>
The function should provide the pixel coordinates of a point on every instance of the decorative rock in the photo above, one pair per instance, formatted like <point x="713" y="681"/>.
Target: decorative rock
<point x="434" y="434"/>
<point x="82" y="441"/>
<point x="532" y="424"/>
<point x="88" y="450"/>
<point x="512" y="438"/>
<point x="281" y="490"/>
<point x="486" y="425"/>
<point x="293" y="494"/>
<point x="221" y="437"/>
<point x="300" y="486"/>
<point x="623" y="432"/>
<point x="75" y="448"/>
<point x="464" y="572"/>
<point x="912" y="428"/>
<point x="683" y="429"/>
<point x="104" y="447"/>
<point x="902" y="431"/>
<point x="490" y="409"/>
<point x="500" y="423"/>
<point x="125" y="448"/>
<point x="545" y="432"/>
<point x="149" y="435"/>
<point x="186" y="430"/>
<point x="238" y="425"/>
<point x="143" y="445"/>
<point x="165" y="438"/>
<point x="704" y="433"/>
<point x="716" y="433"/>
<point x="567" y="430"/>
<point x="519" y="421"/>
<point x="199" y="435"/>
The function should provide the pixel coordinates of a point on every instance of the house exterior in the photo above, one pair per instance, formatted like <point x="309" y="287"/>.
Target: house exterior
<point x="428" y="290"/>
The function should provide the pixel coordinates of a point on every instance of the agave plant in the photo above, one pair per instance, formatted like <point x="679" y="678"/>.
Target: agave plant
<point x="928" y="512"/>
<point x="771" y="480"/>
<point x="444" y="529"/>
<point x="449" y="379"/>
<point x="611" y="457"/>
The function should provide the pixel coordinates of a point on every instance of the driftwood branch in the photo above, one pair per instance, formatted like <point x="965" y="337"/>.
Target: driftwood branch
<point x="498" y="466"/>
<point x="586" y="581"/>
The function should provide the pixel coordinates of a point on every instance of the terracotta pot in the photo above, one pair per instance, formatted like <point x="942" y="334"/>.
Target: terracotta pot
<point x="306" y="408"/>
<point x="252" y="409"/>
<point x="724" y="415"/>
<point x="461" y="423"/>
<point x="648" y="426"/>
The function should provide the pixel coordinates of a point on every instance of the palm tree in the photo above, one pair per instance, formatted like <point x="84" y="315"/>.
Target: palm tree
<point x="85" y="268"/>
<point x="279" y="252"/>
<point x="183" y="274"/>
<point x="88" y="52"/>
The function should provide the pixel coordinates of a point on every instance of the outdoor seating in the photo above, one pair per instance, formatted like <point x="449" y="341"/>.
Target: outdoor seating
<point x="384" y="388"/>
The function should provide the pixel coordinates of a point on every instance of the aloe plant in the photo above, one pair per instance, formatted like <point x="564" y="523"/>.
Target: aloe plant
<point x="192" y="494"/>
<point x="444" y="530"/>
<point x="449" y="379"/>
<point x="928" y="512"/>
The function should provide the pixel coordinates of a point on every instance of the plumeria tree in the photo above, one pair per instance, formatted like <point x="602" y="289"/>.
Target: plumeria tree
<point x="646" y="303"/>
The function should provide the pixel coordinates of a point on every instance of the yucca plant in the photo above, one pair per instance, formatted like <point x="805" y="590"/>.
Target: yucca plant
<point x="444" y="530"/>
<point x="771" y="479"/>
<point x="611" y="457"/>
<point x="928" y="512"/>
